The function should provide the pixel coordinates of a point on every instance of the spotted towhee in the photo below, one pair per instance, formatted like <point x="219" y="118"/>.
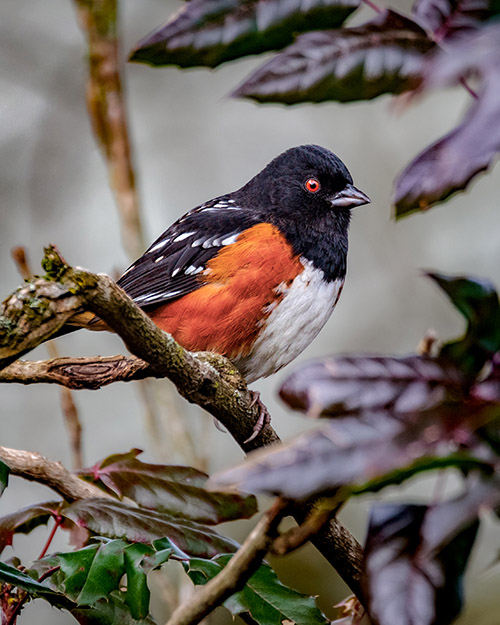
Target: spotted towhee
<point x="254" y="274"/>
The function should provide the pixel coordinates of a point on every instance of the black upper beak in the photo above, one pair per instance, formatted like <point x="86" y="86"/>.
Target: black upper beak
<point x="350" y="197"/>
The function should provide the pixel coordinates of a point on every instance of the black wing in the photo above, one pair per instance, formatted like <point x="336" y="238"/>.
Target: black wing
<point x="169" y="268"/>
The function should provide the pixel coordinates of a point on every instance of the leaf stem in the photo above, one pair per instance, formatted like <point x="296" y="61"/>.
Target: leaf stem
<point x="468" y="88"/>
<point x="57" y="524"/>
<point x="373" y="6"/>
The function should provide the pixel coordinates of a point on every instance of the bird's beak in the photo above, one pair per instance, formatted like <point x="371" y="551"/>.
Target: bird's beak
<point x="349" y="197"/>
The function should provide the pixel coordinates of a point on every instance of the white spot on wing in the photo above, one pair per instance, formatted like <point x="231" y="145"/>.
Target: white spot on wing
<point x="158" y="295"/>
<point x="160" y="258"/>
<point x="182" y="236"/>
<point x="158" y="246"/>
<point x="230" y="240"/>
<point x="192" y="270"/>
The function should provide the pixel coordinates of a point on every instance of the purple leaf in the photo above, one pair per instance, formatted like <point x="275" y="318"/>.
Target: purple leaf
<point x="365" y="453"/>
<point x="175" y="490"/>
<point x="406" y="582"/>
<point x="343" y="385"/>
<point x="25" y="520"/>
<point x="211" y="32"/>
<point x="450" y="164"/>
<point x="359" y="63"/>
<point x="115" y="519"/>
<point x="446" y="18"/>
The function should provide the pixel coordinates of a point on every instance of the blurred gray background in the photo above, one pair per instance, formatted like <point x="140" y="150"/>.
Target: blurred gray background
<point x="192" y="143"/>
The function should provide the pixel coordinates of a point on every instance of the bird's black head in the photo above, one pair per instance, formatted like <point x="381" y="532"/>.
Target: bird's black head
<point x="306" y="181"/>
<point x="307" y="192"/>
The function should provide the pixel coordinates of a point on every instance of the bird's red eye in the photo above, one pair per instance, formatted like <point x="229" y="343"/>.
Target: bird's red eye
<point x="312" y="185"/>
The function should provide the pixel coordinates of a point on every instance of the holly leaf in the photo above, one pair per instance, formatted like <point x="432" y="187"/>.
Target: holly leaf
<point x="446" y="18"/>
<point x="365" y="453"/>
<point x="109" y="611"/>
<point x="452" y="162"/>
<point x="477" y="300"/>
<point x="25" y="520"/>
<point x="212" y="32"/>
<point x="360" y="63"/>
<point x="337" y="386"/>
<point x="89" y="576"/>
<point x="264" y="597"/>
<point x="106" y="570"/>
<point x="176" y="490"/>
<point x="74" y="569"/>
<point x="408" y="582"/>
<point x="115" y="519"/>
<point x="4" y="476"/>
<point x="138" y="594"/>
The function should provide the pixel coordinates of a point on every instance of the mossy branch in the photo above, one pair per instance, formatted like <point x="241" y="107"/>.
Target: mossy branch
<point x="42" y="306"/>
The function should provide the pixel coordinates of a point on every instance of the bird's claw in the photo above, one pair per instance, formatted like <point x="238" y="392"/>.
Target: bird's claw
<point x="263" y="420"/>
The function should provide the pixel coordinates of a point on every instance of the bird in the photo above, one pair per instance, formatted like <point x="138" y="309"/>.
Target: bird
<point x="254" y="274"/>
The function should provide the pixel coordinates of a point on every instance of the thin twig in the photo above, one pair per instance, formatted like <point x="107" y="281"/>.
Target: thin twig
<point x="107" y="110"/>
<point x="69" y="409"/>
<point x="300" y="535"/>
<point x="236" y="573"/>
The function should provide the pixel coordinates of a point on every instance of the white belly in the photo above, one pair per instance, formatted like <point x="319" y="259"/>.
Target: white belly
<point x="293" y="324"/>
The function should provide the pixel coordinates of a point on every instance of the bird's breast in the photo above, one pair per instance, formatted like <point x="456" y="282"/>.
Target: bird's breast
<point x="296" y="319"/>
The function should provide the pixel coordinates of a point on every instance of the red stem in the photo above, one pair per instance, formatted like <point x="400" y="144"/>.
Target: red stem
<point x="469" y="89"/>
<point x="57" y="524"/>
<point x="373" y="6"/>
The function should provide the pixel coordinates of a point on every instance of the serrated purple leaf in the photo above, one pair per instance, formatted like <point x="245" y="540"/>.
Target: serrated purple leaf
<point x="211" y="32"/>
<point x="176" y="490"/>
<point x="452" y="162"/>
<point x="349" y="384"/>
<point x="115" y="519"/>
<point x="363" y="453"/>
<point x="382" y="56"/>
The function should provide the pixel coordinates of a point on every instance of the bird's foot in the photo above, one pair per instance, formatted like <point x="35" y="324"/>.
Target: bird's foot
<point x="264" y="417"/>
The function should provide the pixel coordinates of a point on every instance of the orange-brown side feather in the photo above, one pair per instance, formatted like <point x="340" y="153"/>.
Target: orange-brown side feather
<point x="227" y="311"/>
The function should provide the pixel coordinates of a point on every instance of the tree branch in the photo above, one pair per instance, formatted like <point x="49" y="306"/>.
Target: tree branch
<point x="237" y="571"/>
<point x="36" y="468"/>
<point x="107" y="111"/>
<point x="78" y="373"/>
